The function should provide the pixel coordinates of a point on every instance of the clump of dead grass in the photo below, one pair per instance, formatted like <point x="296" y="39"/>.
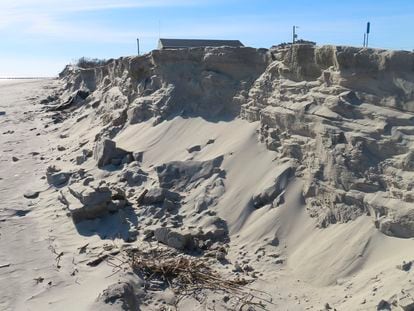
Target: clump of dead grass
<point x="193" y="277"/>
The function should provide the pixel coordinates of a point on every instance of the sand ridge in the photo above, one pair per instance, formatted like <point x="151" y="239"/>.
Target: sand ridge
<point x="272" y="166"/>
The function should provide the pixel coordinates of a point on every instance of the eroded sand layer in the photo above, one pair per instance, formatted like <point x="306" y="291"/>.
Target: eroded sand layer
<point x="290" y="168"/>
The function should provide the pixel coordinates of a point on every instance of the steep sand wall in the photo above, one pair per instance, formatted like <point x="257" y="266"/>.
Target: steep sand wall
<point x="341" y="116"/>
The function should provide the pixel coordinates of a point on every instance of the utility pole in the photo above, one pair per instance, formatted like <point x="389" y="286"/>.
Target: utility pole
<point x="294" y="35"/>
<point x="368" y="30"/>
<point x="138" y="45"/>
<point x="366" y="35"/>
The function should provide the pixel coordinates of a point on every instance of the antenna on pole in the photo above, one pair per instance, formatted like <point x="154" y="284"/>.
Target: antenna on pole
<point x="138" y="45"/>
<point x="294" y="35"/>
<point x="366" y="35"/>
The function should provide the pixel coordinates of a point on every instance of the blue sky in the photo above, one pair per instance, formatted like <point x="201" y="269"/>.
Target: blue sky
<point x="38" y="37"/>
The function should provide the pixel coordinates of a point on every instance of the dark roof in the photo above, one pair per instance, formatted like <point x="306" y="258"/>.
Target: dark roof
<point x="188" y="43"/>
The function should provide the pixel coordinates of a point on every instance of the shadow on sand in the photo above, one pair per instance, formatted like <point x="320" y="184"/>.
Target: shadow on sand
<point x="111" y="226"/>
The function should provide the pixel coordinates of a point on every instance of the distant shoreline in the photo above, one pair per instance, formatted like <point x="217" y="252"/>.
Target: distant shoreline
<point x="26" y="78"/>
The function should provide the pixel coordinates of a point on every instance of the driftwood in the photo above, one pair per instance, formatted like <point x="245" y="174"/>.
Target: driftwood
<point x="95" y="262"/>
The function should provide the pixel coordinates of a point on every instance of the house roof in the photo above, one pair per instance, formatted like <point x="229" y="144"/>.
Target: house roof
<point x="187" y="43"/>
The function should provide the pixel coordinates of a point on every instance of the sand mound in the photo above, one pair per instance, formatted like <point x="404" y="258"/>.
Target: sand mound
<point x="289" y="167"/>
<point x="342" y="116"/>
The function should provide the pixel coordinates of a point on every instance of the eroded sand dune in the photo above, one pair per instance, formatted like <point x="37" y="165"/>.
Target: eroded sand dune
<point x="290" y="167"/>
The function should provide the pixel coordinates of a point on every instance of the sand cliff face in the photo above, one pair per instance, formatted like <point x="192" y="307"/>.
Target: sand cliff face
<point x="344" y="116"/>
<point x="340" y="118"/>
<point x="274" y="168"/>
<point x="167" y="83"/>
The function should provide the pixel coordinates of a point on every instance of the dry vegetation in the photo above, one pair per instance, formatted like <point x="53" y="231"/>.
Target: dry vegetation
<point x="85" y="62"/>
<point x="194" y="277"/>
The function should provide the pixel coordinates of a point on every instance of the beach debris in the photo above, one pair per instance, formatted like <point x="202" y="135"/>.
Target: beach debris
<point x="95" y="262"/>
<point x="39" y="280"/>
<point x="58" y="255"/>
<point x="83" y="248"/>
<point x="190" y="276"/>
<point x="405" y="266"/>
<point x="194" y="148"/>
<point x="30" y="194"/>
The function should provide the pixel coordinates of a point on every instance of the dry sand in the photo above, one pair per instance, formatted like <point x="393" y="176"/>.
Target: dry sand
<point x="32" y="233"/>
<point x="218" y="167"/>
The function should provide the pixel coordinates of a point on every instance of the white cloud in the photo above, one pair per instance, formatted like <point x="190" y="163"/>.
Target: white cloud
<point x="53" y="6"/>
<point x="49" y="19"/>
<point x="16" y="12"/>
<point x="81" y="31"/>
<point x="46" y="19"/>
